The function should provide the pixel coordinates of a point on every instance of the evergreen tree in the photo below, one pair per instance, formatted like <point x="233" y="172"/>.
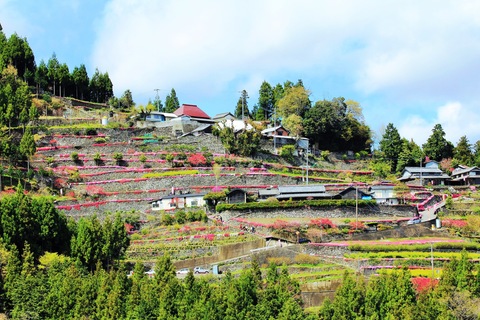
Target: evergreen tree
<point x="27" y="146"/>
<point x="437" y="147"/>
<point x="242" y="106"/>
<point x="266" y="102"/>
<point x="81" y="82"/>
<point x="391" y="145"/>
<point x="41" y="77"/>
<point x="171" y="102"/>
<point x="462" y="153"/>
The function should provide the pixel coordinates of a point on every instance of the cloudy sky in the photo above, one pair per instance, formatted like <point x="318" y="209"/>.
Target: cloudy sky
<point x="411" y="63"/>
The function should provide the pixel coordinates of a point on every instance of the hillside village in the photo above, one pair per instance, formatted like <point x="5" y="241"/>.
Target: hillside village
<point x="148" y="210"/>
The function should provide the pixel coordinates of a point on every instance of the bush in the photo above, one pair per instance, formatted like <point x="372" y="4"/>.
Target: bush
<point x="167" y="219"/>
<point x="303" y="258"/>
<point x="74" y="156"/>
<point x="46" y="97"/>
<point x="287" y="152"/>
<point x="279" y="261"/>
<point x="118" y="157"/>
<point x="180" y="216"/>
<point x="100" y="140"/>
<point x="97" y="157"/>
<point x="91" y="132"/>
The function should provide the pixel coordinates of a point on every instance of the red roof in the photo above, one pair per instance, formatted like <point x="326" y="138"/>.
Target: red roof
<point x="192" y="111"/>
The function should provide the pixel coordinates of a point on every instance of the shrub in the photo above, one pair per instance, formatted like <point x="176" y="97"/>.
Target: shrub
<point x="287" y="152"/>
<point x="323" y="223"/>
<point x="135" y="236"/>
<point x="97" y="157"/>
<point x="100" y="140"/>
<point x="74" y="156"/>
<point x="169" y="157"/>
<point x="180" y="216"/>
<point x="197" y="160"/>
<point x="279" y="261"/>
<point x="91" y="132"/>
<point x="167" y="219"/>
<point x="46" y="97"/>
<point x="142" y="158"/>
<point x="118" y="157"/>
<point x="325" y="154"/>
<point x="50" y="160"/>
<point x="303" y="258"/>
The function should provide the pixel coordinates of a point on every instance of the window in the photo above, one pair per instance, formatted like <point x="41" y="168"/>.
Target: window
<point x="194" y="203"/>
<point x="155" y="205"/>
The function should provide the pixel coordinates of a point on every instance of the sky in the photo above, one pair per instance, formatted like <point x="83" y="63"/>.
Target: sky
<point x="411" y="63"/>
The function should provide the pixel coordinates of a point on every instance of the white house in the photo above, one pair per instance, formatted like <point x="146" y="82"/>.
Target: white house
<point x="384" y="194"/>
<point x="179" y="201"/>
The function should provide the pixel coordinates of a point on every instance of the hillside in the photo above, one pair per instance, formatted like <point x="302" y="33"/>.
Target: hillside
<point x="94" y="169"/>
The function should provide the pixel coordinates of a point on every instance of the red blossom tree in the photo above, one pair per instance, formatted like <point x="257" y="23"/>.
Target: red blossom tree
<point x="197" y="160"/>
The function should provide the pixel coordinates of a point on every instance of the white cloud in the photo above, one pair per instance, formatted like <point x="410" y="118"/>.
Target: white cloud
<point x="456" y="119"/>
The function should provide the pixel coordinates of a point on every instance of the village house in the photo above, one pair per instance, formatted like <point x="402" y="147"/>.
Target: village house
<point x="428" y="175"/>
<point x="178" y="201"/>
<point x="463" y="175"/>
<point x="384" y="194"/>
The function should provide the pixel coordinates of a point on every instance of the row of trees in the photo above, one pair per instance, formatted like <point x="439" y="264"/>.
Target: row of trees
<point x="62" y="290"/>
<point x="394" y="296"/>
<point x="36" y="223"/>
<point x="334" y="125"/>
<point x="52" y="76"/>
<point x="400" y="152"/>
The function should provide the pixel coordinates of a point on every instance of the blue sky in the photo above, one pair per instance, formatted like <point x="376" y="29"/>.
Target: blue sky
<point x="411" y="63"/>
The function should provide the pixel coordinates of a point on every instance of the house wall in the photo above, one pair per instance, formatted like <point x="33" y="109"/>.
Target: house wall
<point x="179" y="203"/>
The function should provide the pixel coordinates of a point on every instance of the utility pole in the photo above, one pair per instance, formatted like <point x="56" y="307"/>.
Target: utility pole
<point x="356" y="207"/>
<point x="157" y="98"/>
<point x="308" y="145"/>
<point x="421" y="176"/>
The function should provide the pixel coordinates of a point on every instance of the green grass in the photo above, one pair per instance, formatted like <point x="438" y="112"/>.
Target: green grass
<point x="408" y="255"/>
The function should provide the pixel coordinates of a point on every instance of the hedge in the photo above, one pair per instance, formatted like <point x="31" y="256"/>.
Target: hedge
<point x="293" y="204"/>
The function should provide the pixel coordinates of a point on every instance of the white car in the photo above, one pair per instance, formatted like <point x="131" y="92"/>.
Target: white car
<point x="200" y="270"/>
<point x="183" y="271"/>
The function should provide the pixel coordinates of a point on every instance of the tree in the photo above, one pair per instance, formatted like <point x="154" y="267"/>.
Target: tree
<point x="293" y="123"/>
<point x="241" y="110"/>
<point x="126" y="101"/>
<point x="294" y="101"/>
<point x="462" y="153"/>
<point x="325" y="124"/>
<point x="100" y="87"/>
<point x="115" y="239"/>
<point x="63" y="78"/>
<point x="81" y="81"/>
<point x="41" y="77"/>
<point x="17" y="52"/>
<point x="391" y="145"/>
<point x="53" y="71"/>
<point x="86" y="245"/>
<point x="410" y="155"/>
<point x="171" y="102"/>
<point x="476" y="153"/>
<point x="27" y="146"/>
<point x="349" y="298"/>
<point x="437" y="147"/>
<point x="266" y="102"/>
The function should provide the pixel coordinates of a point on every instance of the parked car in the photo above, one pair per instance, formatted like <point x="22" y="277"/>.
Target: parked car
<point x="414" y="221"/>
<point x="183" y="271"/>
<point x="200" y="270"/>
